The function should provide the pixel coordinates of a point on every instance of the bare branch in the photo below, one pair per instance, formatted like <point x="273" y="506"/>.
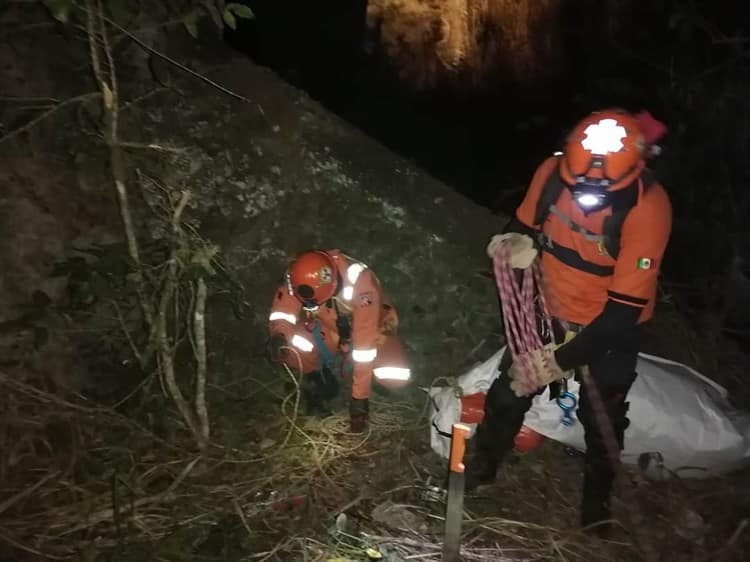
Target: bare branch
<point x="165" y="350"/>
<point x="133" y="348"/>
<point x="153" y="146"/>
<point x="182" y="66"/>
<point x="96" y="64"/>
<point x="112" y="71"/>
<point x="22" y="99"/>
<point x="139" y="99"/>
<point x="109" y="92"/>
<point x="46" y="114"/>
<point x="199" y="324"/>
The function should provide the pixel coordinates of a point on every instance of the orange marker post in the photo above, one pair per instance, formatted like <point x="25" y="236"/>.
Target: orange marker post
<point x="455" y="505"/>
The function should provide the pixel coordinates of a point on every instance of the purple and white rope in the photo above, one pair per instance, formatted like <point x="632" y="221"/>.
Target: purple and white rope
<point x="519" y="312"/>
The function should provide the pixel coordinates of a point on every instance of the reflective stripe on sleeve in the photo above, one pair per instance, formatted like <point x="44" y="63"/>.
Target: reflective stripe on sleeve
<point x="301" y="343"/>
<point x="276" y="315"/>
<point x="364" y="355"/>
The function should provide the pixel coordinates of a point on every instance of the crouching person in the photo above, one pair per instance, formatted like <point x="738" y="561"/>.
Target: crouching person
<point x="331" y="313"/>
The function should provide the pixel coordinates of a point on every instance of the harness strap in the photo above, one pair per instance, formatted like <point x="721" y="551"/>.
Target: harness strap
<point x="572" y="258"/>
<point x="575" y="227"/>
<point x="326" y="358"/>
<point x="623" y="201"/>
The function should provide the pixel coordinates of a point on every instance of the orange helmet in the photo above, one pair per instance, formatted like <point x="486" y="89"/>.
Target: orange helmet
<point x="313" y="278"/>
<point x="606" y="150"/>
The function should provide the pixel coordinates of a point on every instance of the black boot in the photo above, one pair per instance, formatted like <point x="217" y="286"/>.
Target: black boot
<point x="503" y="417"/>
<point x="596" y="510"/>
<point x="596" y="516"/>
<point x="481" y="469"/>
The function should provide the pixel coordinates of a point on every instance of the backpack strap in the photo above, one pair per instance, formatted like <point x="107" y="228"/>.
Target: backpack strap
<point x="623" y="201"/>
<point x="551" y="191"/>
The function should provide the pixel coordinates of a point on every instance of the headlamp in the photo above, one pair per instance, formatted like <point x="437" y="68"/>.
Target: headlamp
<point x="310" y="305"/>
<point x="591" y="195"/>
<point x="589" y="201"/>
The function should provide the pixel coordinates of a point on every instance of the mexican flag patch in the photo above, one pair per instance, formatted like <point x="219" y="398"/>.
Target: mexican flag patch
<point x="644" y="263"/>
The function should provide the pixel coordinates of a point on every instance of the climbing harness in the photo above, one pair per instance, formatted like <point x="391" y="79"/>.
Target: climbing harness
<point x="326" y="359"/>
<point x="328" y="362"/>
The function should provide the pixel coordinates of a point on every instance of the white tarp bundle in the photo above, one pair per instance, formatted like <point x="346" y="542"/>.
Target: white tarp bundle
<point x="679" y="420"/>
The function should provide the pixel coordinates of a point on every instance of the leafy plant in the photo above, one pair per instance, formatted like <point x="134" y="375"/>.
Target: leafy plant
<point x="171" y="288"/>
<point x="219" y="12"/>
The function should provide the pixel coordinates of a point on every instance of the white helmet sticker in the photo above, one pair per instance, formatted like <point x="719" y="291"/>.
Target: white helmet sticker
<point x="604" y="137"/>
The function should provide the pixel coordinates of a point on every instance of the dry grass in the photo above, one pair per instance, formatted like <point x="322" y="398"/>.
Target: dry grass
<point x="118" y="485"/>
<point x="116" y="481"/>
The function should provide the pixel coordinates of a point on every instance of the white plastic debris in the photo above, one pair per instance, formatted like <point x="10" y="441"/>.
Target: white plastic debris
<point x="680" y="421"/>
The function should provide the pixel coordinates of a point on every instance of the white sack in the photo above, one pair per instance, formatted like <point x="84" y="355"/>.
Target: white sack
<point x="445" y="409"/>
<point x="674" y="412"/>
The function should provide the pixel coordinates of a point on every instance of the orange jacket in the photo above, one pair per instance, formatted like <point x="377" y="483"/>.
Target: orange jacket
<point x="582" y="277"/>
<point x="359" y="297"/>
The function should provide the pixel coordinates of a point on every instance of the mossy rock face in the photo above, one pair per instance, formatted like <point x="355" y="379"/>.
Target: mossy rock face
<point x="266" y="186"/>
<point x="270" y="178"/>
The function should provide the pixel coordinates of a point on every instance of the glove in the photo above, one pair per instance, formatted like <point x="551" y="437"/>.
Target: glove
<point x="358" y="410"/>
<point x="533" y="370"/>
<point x="273" y="348"/>
<point x="522" y="251"/>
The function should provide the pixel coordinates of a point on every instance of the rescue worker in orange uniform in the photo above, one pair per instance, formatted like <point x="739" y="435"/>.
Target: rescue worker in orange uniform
<point x="330" y="312"/>
<point x="601" y="224"/>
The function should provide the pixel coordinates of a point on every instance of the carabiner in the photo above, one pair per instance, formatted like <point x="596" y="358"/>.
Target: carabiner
<point x="567" y="402"/>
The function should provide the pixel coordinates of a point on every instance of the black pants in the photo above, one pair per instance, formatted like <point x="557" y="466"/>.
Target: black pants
<point x="318" y="388"/>
<point x="613" y="376"/>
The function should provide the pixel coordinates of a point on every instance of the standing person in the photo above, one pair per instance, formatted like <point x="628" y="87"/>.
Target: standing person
<point x="601" y="224"/>
<point x="329" y="309"/>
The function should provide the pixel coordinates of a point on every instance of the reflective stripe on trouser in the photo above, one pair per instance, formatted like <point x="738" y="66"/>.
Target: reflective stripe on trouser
<point x="389" y="369"/>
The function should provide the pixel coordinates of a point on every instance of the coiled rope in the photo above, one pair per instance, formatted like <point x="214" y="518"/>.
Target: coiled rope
<point x="523" y="306"/>
<point x="525" y="310"/>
